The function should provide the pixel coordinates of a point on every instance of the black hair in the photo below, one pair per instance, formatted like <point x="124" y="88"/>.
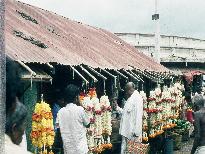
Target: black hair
<point x="58" y="94"/>
<point x="70" y="93"/>
<point x="16" y="112"/>
<point x="12" y="83"/>
<point x="18" y="117"/>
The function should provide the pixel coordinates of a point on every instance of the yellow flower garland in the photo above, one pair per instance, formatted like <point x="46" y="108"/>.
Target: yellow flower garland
<point x="42" y="134"/>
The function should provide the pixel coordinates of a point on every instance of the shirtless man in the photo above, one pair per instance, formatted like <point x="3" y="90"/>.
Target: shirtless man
<point x="199" y="126"/>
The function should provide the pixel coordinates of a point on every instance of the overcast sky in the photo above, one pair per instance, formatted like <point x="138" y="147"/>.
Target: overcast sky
<point x="177" y="17"/>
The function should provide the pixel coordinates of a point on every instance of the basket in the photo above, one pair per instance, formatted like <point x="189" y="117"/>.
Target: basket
<point x="134" y="147"/>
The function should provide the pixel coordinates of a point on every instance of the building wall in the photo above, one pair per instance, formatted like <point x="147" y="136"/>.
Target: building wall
<point x="172" y="47"/>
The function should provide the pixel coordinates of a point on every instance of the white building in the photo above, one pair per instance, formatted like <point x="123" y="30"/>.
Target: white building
<point x="176" y="52"/>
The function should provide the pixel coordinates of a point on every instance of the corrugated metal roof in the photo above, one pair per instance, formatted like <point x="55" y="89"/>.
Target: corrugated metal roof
<point x="69" y="42"/>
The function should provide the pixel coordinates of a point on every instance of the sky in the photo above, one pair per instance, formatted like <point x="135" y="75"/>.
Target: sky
<point x="177" y="17"/>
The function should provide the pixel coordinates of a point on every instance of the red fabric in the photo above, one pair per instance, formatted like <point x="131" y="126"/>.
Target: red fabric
<point x="189" y="116"/>
<point x="190" y="75"/>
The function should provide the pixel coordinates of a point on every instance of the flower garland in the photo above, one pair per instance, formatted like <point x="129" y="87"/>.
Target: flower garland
<point x="106" y="121"/>
<point x="99" y="112"/>
<point x="42" y="134"/>
<point x="145" y="117"/>
<point x="98" y="117"/>
<point x="89" y="108"/>
<point x="163" y="107"/>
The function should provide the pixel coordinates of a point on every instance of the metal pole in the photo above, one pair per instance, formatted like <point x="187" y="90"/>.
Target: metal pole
<point x="2" y="77"/>
<point x="157" y="33"/>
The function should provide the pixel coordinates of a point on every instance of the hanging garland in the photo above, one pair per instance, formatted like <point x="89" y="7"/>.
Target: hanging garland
<point x="99" y="112"/>
<point x="42" y="134"/>
<point x="163" y="108"/>
<point x="145" y="117"/>
<point x="106" y="121"/>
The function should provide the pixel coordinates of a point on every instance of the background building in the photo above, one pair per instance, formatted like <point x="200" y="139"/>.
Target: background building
<point x="183" y="55"/>
<point x="177" y="53"/>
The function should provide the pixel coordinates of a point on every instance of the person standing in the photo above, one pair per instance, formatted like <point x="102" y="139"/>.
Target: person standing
<point x="16" y="112"/>
<point x="116" y="138"/>
<point x="199" y="127"/>
<point x="73" y="121"/>
<point x="132" y="114"/>
<point x="57" y="106"/>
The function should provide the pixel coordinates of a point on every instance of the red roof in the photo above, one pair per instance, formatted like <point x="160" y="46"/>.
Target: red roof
<point x="68" y="42"/>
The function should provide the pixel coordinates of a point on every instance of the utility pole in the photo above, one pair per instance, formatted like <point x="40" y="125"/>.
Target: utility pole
<point x="155" y="17"/>
<point x="2" y="77"/>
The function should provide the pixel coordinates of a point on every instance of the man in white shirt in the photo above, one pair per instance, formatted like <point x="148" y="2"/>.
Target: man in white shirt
<point x="131" y="121"/>
<point x="72" y="121"/>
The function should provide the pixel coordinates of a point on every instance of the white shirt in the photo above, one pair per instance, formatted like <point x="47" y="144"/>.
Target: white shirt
<point x="23" y="144"/>
<point x="131" y="121"/>
<point x="11" y="148"/>
<point x="72" y="120"/>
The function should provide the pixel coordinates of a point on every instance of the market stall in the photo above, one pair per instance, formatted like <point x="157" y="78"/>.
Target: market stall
<point x="73" y="52"/>
<point x="163" y="111"/>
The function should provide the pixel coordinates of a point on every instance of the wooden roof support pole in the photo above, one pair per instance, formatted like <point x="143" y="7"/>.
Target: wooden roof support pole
<point x="151" y="75"/>
<point x="134" y="73"/>
<point x="27" y="68"/>
<point x="49" y="65"/>
<point x="119" y="73"/>
<point x="109" y="73"/>
<point x="143" y="73"/>
<point x="97" y="73"/>
<point x="148" y="76"/>
<point x="115" y="77"/>
<point x="131" y="75"/>
<point x="157" y="75"/>
<point x="88" y="73"/>
<point x="136" y="76"/>
<point x="76" y="71"/>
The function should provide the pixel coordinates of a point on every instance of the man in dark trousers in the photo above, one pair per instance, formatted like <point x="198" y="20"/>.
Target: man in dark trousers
<point x="199" y="126"/>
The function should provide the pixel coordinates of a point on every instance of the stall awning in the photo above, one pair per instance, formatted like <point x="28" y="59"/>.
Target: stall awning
<point x="34" y="74"/>
<point x="34" y="35"/>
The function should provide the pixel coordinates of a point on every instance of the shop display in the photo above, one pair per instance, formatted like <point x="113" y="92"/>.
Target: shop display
<point x="42" y="134"/>
<point x="99" y="112"/>
<point x="161" y="112"/>
<point x="163" y="107"/>
<point x="145" y="117"/>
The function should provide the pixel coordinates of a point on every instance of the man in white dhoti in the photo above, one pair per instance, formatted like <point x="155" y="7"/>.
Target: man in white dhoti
<point x="131" y="121"/>
<point x="72" y="121"/>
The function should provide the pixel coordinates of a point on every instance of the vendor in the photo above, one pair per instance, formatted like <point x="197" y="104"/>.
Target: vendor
<point x="132" y="114"/>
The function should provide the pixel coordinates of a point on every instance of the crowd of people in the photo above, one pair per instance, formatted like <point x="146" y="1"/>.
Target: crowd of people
<point x="71" y="120"/>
